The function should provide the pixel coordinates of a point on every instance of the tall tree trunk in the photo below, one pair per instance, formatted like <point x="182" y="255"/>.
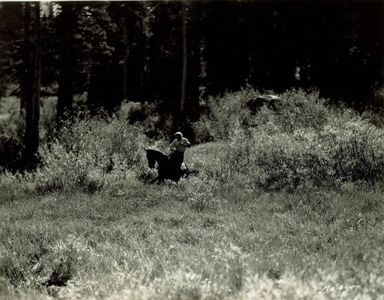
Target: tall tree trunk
<point x="32" y="63"/>
<point x="67" y="62"/>
<point x="194" y="37"/>
<point x="25" y="73"/>
<point x="125" y="58"/>
<point x="184" y="72"/>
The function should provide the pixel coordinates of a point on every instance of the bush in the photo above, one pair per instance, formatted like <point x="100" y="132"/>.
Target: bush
<point x="303" y="143"/>
<point x="295" y="109"/>
<point x="340" y="152"/>
<point x="11" y="134"/>
<point x="225" y="113"/>
<point x="12" y="126"/>
<point x="90" y="154"/>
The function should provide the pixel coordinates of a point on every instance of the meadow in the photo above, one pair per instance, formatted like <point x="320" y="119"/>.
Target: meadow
<point x="288" y="204"/>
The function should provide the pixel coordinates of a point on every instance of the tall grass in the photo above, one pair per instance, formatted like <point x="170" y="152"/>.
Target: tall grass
<point x="193" y="241"/>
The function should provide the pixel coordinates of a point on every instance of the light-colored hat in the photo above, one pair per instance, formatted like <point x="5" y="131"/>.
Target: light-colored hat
<point x="179" y="133"/>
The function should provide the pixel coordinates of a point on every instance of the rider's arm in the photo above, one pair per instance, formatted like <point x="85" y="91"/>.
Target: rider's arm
<point x="172" y="146"/>
<point x="185" y="142"/>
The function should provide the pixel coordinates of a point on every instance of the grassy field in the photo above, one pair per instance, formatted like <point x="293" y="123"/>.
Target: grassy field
<point x="288" y="204"/>
<point x="195" y="240"/>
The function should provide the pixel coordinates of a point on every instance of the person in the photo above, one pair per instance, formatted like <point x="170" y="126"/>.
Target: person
<point x="178" y="147"/>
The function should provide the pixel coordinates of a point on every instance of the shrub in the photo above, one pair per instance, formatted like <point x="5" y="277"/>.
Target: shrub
<point x="303" y="143"/>
<point x="341" y="152"/>
<point x="12" y="126"/>
<point x="11" y="133"/>
<point x="225" y="112"/>
<point x="88" y="153"/>
<point x="297" y="109"/>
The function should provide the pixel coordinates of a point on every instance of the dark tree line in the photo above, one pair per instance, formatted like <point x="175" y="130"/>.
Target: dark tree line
<point x="176" y="53"/>
<point x="30" y="80"/>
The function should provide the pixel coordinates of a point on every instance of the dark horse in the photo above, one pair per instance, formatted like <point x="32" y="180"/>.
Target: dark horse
<point x="166" y="170"/>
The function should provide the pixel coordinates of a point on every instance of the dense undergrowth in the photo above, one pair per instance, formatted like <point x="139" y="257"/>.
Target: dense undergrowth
<point x="303" y="143"/>
<point x="287" y="205"/>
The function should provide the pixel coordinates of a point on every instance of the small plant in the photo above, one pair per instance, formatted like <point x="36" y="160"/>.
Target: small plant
<point x="199" y="195"/>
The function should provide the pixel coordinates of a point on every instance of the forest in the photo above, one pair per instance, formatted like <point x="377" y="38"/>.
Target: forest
<point x="283" y="103"/>
<point x="176" y="54"/>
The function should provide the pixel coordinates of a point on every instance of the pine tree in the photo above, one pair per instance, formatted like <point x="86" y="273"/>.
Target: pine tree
<point x="31" y="82"/>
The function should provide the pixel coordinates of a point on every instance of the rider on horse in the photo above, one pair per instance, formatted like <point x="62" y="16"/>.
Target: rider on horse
<point x="178" y="147"/>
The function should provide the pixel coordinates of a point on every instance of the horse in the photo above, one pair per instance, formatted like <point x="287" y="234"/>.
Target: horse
<point x="166" y="170"/>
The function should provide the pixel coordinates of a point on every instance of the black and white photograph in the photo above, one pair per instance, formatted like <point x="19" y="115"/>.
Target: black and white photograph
<point x="192" y="150"/>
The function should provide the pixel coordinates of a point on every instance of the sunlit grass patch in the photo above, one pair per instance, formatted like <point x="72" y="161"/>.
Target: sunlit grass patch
<point x="305" y="244"/>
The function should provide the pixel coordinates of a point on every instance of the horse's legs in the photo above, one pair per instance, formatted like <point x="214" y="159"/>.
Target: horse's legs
<point x="159" y="179"/>
<point x="185" y="172"/>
